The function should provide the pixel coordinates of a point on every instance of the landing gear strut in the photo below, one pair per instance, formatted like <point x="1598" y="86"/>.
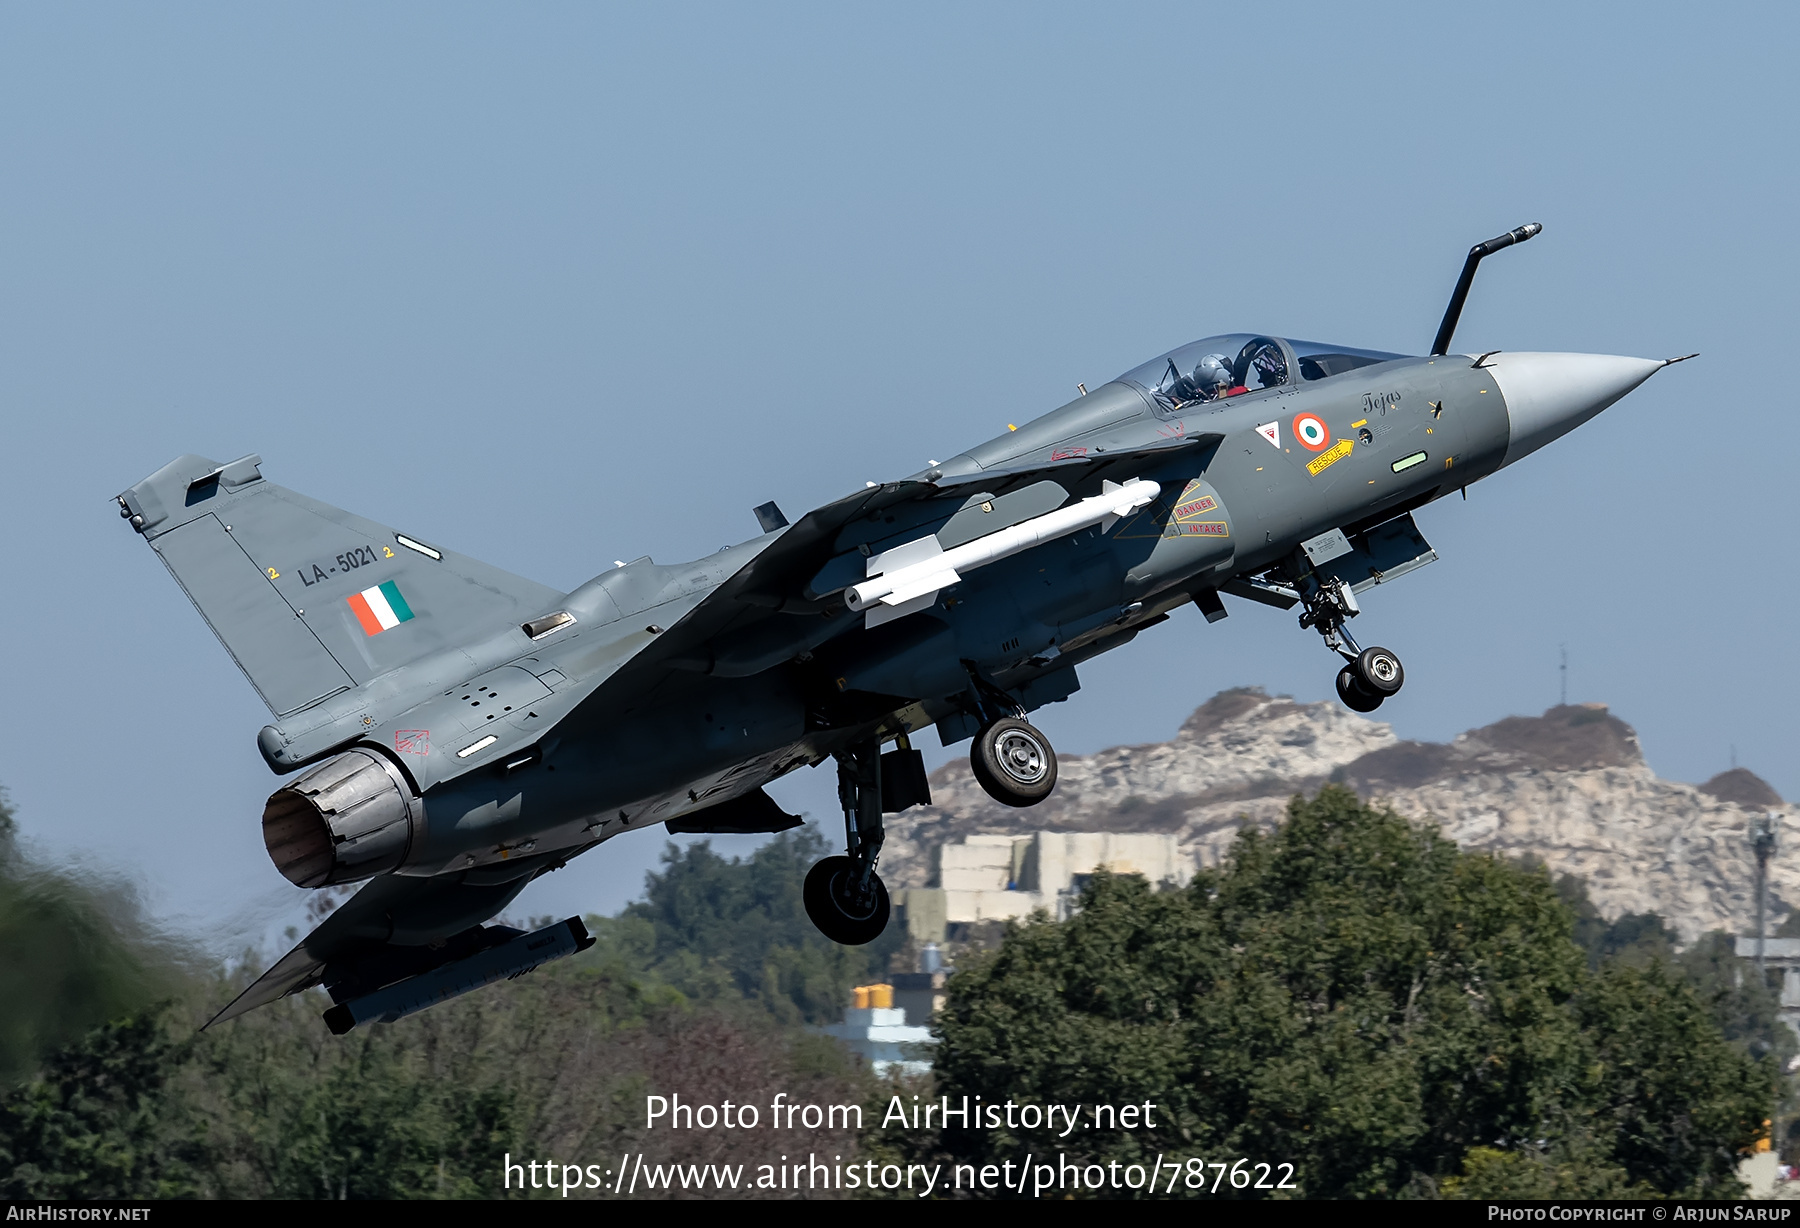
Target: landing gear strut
<point x="1372" y="674"/>
<point x="844" y="896"/>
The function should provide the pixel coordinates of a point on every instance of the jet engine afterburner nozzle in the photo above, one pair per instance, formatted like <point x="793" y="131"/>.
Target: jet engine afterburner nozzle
<point x="349" y="819"/>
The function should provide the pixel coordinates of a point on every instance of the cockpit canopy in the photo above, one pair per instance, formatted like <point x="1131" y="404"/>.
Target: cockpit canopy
<point x="1215" y="368"/>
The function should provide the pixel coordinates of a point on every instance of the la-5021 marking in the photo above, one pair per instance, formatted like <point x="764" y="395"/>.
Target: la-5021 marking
<point x="350" y="560"/>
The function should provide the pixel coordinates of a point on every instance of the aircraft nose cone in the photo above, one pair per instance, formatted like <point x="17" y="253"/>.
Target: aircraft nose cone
<point x="1549" y="395"/>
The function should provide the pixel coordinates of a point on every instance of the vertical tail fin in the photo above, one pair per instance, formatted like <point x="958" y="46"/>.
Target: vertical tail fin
<point x="310" y="600"/>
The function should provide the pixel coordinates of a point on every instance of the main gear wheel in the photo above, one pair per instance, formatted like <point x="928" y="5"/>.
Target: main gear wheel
<point x="847" y="912"/>
<point x="1014" y="762"/>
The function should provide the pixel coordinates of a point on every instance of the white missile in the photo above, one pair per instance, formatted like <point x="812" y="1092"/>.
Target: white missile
<point x="907" y="578"/>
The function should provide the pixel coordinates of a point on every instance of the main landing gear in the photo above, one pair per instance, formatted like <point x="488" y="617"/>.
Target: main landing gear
<point x="844" y="896"/>
<point x="1372" y="674"/>
<point x="1010" y="758"/>
<point x="1013" y="761"/>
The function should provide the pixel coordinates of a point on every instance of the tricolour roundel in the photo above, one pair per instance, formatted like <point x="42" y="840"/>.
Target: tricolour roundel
<point x="1311" y="431"/>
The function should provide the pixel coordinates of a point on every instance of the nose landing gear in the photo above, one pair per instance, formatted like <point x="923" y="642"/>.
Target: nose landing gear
<point x="1360" y="685"/>
<point x="1372" y="674"/>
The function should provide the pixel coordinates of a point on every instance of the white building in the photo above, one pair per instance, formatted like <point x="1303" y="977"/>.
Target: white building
<point x="1780" y="955"/>
<point x="882" y="1035"/>
<point x="998" y="878"/>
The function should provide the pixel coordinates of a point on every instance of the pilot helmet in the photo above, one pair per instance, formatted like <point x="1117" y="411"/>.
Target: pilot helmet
<point x="1212" y="376"/>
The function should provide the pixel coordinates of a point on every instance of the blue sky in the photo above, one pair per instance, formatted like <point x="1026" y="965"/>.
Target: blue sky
<point x="563" y="284"/>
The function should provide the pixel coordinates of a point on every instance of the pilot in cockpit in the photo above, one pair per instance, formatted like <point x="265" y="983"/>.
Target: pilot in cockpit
<point x="1211" y="378"/>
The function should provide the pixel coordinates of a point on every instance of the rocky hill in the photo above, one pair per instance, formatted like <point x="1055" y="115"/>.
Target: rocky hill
<point x="1569" y="788"/>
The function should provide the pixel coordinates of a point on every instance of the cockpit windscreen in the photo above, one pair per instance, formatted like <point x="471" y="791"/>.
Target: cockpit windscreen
<point x="1320" y="361"/>
<point x="1233" y="364"/>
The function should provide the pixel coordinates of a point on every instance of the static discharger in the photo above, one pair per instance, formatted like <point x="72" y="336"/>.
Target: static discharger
<point x="907" y="578"/>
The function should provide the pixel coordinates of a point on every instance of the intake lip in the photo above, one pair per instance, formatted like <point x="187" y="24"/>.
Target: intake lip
<point x="1549" y="395"/>
<point x="345" y="820"/>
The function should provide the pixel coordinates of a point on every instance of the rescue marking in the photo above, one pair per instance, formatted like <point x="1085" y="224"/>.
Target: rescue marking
<point x="412" y="741"/>
<point x="379" y="609"/>
<point x="1270" y="431"/>
<point x="1311" y="431"/>
<point x="1325" y="460"/>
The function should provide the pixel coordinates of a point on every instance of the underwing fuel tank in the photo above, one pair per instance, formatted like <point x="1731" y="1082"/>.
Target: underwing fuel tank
<point x="504" y="962"/>
<point x="349" y="819"/>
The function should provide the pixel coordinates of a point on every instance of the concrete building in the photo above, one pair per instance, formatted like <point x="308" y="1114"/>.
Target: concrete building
<point x="1781" y="955"/>
<point x="879" y="1031"/>
<point x="1003" y="877"/>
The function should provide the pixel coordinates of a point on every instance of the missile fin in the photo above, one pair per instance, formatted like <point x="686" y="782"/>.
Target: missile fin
<point x="879" y="613"/>
<point x="923" y="586"/>
<point x="904" y="556"/>
<point x="920" y="594"/>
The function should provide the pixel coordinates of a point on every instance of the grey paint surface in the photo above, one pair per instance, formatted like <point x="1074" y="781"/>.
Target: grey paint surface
<point x="526" y="727"/>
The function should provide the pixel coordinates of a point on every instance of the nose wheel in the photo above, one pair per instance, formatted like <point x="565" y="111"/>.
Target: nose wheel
<point x="1370" y="675"/>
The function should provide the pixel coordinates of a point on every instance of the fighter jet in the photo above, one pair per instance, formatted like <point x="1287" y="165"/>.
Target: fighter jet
<point x="452" y="731"/>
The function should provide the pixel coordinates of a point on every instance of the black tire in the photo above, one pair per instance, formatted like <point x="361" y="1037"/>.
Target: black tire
<point x="1353" y="695"/>
<point x="1014" y="762"/>
<point x="1379" y="671"/>
<point x="832" y="904"/>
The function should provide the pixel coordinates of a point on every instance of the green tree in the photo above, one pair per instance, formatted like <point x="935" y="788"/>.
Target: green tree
<point x="1746" y="1010"/>
<point x="78" y="953"/>
<point x="1637" y="938"/>
<point x="721" y="929"/>
<point x="1357" y="997"/>
<point x="91" y="1124"/>
<point x="557" y="1064"/>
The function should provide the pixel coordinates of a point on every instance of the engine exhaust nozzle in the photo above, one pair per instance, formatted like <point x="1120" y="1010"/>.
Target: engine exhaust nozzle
<point x="349" y="819"/>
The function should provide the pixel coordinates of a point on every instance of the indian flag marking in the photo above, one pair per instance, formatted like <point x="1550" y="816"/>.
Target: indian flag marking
<point x="380" y="608"/>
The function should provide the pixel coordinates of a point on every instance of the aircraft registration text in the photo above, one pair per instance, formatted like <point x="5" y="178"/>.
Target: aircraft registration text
<point x="350" y="560"/>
